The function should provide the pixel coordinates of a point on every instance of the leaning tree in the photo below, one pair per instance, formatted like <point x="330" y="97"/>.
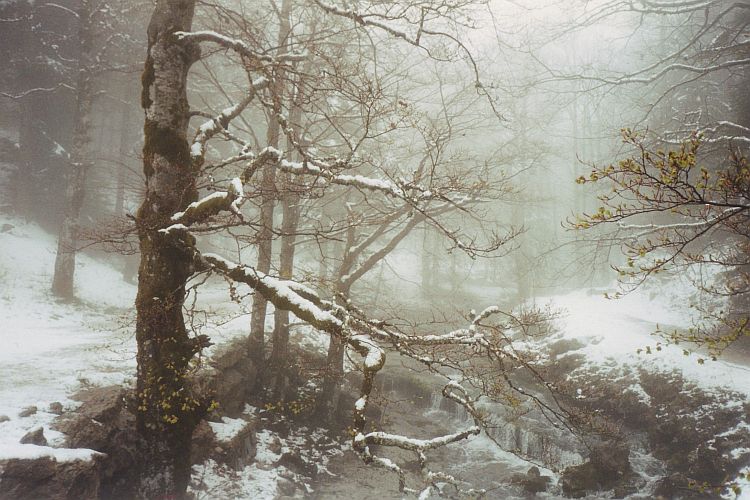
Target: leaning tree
<point x="173" y="211"/>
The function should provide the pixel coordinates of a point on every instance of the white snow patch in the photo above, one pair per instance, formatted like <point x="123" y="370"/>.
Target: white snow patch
<point x="228" y="428"/>
<point x="32" y="451"/>
<point x="613" y="331"/>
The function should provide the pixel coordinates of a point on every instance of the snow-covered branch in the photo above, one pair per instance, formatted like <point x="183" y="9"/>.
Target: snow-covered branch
<point x="220" y="123"/>
<point x="29" y="92"/>
<point x="283" y="294"/>
<point x="211" y="205"/>
<point x="238" y="46"/>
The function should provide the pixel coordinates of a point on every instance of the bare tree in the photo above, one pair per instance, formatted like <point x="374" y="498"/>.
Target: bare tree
<point x="173" y="211"/>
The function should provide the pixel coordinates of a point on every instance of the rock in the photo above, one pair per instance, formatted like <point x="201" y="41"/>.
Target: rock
<point x="608" y="466"/>
<point x="229" y="355"/>
<point x="204" y="443"/>
<point x="532" y="481"/>
<point x="295" y="463"/>
<point x="102" y="423"/>
<point x="231" y="387"/>
<point x="47" y="478"/>
<point x="612" y="460"/>
<point x="102" y="404"/>
<point x="624" y="490"/>
<point x="676" y="485"/>
<point x="56" y="408"/>
<point x="241" y="449"/>
<point x="35" y="436"/>
<point x="286" y="487"/>
<point x="706" y="464"/>
<point x="28" y="411"/>
<point x="4" y="418"/>
<point x="579" y="480"/>
<point x="6" y="228"/>
<point x="275" y="445"/>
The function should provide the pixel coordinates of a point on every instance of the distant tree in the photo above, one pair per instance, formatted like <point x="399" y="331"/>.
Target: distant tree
<point x="62" y="50"/>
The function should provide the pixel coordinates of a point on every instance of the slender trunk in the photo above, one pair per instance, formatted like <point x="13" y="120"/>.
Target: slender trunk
<point x="122" y="162"/>
<point x="22" y="176"/>
<point x="348" y="274"/>
<point x="67" y="240"/>
<point x="327" y="403"/>
<point x="278" y="360"/>
<point x="323" y="267"/>
<point x="428" y="276"/>
<point x="256" y="340"/>
<point x="168" y="411"/>
<point x="291" y="215"/>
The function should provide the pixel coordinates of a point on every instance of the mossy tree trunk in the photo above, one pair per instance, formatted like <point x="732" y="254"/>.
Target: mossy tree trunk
<point x="168" y="411"/>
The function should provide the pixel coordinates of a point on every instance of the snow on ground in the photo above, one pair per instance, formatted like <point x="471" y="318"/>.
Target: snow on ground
<point x="614" y="330"/>
<point x="48" y="348"/>
<point x="265" y="478"/>
<point x="212" y="480"/>
<point x="32" y="451"/>
<point x="51" y="349"/>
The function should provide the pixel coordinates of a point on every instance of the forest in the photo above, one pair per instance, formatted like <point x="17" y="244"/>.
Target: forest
<point x="374" y="249"/>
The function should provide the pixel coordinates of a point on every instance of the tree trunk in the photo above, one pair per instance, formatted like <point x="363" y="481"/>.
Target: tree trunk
<point x="67" y="240"/>
<point x="167" y="409"/>
<point x="256" y="341"/>
<point x="278" y="360"/>
<point x="122" y="165"/>
<point x="327" y="402"/>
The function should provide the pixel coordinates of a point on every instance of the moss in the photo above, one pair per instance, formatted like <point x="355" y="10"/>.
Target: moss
<point x="165" y="142"/>
<point x="147" y="79"/>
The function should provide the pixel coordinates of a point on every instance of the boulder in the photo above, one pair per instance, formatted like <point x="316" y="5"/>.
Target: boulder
<point x="675" y="486"/>
<point x="104" y="424"/>
<point x="228" y="355"/>
<point x="35" y="436"/>
<point x="48" y="479"/>
<point x="28" y="411"/>
<point x="532" y="482"/>
<point x="294" y="462"/>
<point x="608" y="466"/>
<point x="241" y="449"/>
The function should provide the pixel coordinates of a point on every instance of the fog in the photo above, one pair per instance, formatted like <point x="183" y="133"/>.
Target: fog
<point x="365" y="249"/>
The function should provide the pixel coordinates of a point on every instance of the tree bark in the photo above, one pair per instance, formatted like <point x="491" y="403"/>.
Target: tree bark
<point x="278" y="359"/>
<point x="168" y="411"/>
<point x="327" y="402"/>
<point x="67" y="241"/>
<point x="256" y="340"/>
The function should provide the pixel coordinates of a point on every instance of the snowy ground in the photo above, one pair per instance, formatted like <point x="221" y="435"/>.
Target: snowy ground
<point x="50" y="349"/>
<point x="618" y="331"/>
<point x="265" y="479"/>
